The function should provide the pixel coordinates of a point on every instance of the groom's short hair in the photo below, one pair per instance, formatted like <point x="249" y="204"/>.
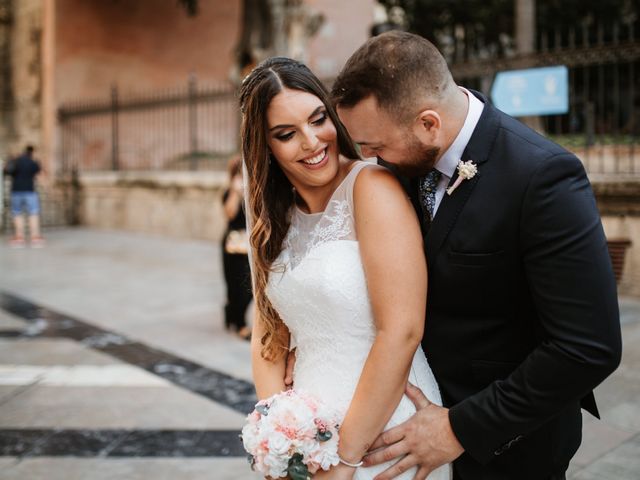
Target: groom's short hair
<point x="401" y="70"/>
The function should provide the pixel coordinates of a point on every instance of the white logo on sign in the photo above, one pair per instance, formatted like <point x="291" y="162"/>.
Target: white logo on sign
<point x="550" y="85"/>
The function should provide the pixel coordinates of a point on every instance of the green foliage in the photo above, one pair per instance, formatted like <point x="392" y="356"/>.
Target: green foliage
<point x="569" y="13"/>
<point x="297" y="470"/>
<point x="491" y="19"/>
<point x="431" y="18"/>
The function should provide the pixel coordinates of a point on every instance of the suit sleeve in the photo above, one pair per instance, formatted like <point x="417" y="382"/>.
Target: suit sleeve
<point x="565" y="257"/>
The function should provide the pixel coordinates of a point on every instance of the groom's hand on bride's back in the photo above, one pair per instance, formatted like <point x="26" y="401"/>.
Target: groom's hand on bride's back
<point x="288" y="372"/>
<point x="426" y="440"/>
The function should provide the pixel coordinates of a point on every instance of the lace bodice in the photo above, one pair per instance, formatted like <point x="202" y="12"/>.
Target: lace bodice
<point x="307" y="232"/>
<point x="319" y="289"/>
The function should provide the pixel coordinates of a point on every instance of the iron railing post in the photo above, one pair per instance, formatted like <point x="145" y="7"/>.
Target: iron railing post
<point x="115" y="161"/>
<point x="193" y="122"/>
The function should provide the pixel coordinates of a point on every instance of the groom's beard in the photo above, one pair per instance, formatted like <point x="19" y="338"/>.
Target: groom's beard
<point x="419" y="159"/>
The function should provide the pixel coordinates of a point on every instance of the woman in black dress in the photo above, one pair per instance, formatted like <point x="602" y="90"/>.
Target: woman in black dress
<point x="235" y="260"/>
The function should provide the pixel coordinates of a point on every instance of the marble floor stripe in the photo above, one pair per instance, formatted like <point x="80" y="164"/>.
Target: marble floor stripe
<point x="43" y="322"/>
<point x="25" y="443"/>
<point x="11" y="333"/>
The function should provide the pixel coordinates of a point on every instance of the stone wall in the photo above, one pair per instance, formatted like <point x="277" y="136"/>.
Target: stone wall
<point x="145" y="45"/>
<point x="346" y="27"/>
<point x="188" y="205"/>
<point x="185" y="205"/>
<point x="619" y="204"/>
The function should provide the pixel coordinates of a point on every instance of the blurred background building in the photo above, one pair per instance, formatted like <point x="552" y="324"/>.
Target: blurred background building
<point x="131" y="104"/>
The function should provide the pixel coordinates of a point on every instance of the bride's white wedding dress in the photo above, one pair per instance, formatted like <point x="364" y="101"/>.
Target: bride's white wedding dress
<point x="320" y="292"/>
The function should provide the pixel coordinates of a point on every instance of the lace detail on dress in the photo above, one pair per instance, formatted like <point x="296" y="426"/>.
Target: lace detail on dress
<point x="336" y="226"/>
<point x="336" y="223"/>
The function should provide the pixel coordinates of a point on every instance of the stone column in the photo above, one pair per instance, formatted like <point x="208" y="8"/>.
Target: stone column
<point x="26" y="66"/>
<point x="278" y="12"/>
<point x="48" y="149"/>
<point x="7" y="130"/>
<point x="525" y="26"/>
<point x="525" y="11"/>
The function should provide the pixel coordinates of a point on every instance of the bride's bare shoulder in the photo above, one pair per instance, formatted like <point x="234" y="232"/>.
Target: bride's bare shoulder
<point x="376" y="180"/>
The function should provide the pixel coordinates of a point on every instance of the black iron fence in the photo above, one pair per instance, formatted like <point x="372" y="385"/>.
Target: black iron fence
<point x="196" y="126"/>
<point x="603" y="122"/>
<point x="189" y="128"/>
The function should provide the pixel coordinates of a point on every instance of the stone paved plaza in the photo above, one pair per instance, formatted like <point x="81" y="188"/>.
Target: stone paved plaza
<point x="114" y="364"/>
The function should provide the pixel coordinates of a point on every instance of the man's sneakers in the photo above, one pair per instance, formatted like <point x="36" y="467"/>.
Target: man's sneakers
<point x="17" y="242"/>
<point x="37" y="242"/>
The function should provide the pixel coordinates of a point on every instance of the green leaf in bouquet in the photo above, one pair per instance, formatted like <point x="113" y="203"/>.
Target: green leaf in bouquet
<point x="323" y="435"/>
<point x="297" y="470"/>
<point x="262" y="409"/>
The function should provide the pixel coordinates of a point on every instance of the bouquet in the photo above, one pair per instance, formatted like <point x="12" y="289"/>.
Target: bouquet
<point x="291" y="434"/>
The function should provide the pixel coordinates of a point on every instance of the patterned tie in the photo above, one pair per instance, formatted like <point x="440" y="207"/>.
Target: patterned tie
<point x="428" y="186"/>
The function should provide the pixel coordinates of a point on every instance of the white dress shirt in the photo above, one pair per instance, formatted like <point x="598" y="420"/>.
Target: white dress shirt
<point x="449" y="161"/>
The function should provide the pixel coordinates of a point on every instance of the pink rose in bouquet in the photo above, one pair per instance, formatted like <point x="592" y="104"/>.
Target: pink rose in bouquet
<point x="291" y="433"/>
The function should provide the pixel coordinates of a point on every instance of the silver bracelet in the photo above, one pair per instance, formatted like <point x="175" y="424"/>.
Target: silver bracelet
<point x="352" y="465"/>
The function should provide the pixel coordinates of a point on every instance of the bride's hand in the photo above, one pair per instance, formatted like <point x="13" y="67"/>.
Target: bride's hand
<point x="339" y="472"/>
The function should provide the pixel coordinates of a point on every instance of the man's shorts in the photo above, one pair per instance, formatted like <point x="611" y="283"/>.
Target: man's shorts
<point x="21" y="201"/>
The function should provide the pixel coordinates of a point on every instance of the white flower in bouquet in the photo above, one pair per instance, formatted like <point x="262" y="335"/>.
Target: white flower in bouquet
<point x="325" y="458"/>
<point x="279" y="444"/>
<point x="291" y="434"/>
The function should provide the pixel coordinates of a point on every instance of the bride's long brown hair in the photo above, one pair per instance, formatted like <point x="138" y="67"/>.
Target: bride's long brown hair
<point x="270" y="193"/>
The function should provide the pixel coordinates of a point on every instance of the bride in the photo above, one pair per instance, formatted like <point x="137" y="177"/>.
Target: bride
<point x="338" y="265"/>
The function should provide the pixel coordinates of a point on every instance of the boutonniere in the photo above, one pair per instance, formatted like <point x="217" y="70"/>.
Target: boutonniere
<point x="466" y="171"/>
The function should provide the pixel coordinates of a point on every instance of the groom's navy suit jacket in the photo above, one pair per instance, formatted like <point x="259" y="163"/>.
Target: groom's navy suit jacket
<point x="522" y="315"/>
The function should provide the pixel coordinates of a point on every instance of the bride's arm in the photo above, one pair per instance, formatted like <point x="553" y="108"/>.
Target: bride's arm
<point x="393" y="258"/>
<point x="268" y="376"/>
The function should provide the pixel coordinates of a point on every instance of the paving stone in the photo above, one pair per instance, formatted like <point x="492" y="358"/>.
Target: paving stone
<point x="598" y="438"/>
<point x="43" y="351"/>
<point x="625" y="416"/>
<point x="7" y="392"/>
<point x="217" y="386"/>
<point x="6" y="463"/>
<point x="179" y="444"/>
<point x="168" y="295"/>
<point x="116" y="407"/>
<point x="19" y="442"/>
<point x="79" y="443"/>
<point x="79" y="376"/>
<point x="629" y="310"/>
<point x="622" y="463"/>
<point x="10" y="322"/>
<point x="43" y="468"/>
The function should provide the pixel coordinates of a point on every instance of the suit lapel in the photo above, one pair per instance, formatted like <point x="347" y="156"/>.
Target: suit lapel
<point x="477" y="150"/>
<point x="447" y="214"/>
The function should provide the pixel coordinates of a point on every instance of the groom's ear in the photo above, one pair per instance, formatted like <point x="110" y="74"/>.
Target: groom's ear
<point x="427" y="126"/>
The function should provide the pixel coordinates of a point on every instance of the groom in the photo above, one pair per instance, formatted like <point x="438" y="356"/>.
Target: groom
<point x="522" y="318"/>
